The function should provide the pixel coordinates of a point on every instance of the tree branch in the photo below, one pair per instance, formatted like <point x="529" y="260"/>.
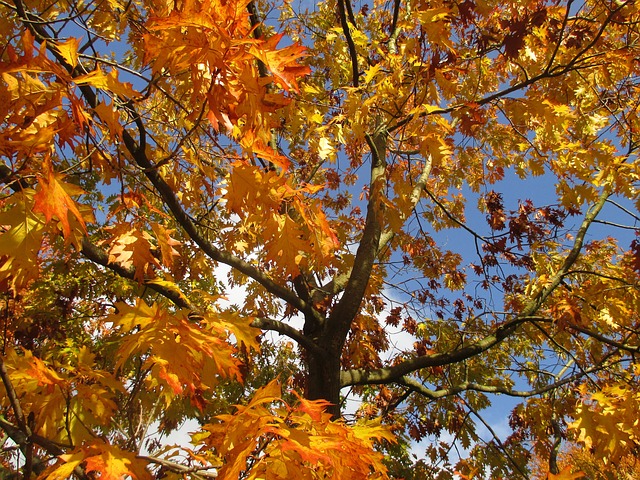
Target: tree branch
<point x="498" y="445"/>
<point x="395" y="31"/>
<point x="421" y="389"/>
<point x="451" y="217"/>
<point x="170" y="199"/>
<point x="344" y="22"/>
<point x="179" y="468"/>
<point x="339" y="322"/>
<point x="394" y="373"/>
<point x="100" y="257"/>
<point x="414" y="198"/>
<point x="13" y="400"/>
<point x="287" y="330"/>
<point x="338" y="283"/>
<point x="23" y="441"/>
<point x="548" y="72"/>
<point x="605" y="340"/>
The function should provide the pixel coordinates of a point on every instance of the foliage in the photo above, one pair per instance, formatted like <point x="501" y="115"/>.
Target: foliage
<point x="183" y="180"/>
<point x="607" y="424"/>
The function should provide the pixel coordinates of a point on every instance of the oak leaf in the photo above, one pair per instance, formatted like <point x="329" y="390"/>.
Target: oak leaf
<point x="181" y="355"/>
<point x="132" y="248"/>
<point x="20" y="241"/>
<point x="53" y="199"/>
<point x="308" y="445"/>
<point x="108" y="82"/>
<point x="69" y="50"/>
<point x="107" y="461"/>
<point x="286" y="244"/>
<point x="282" y="63"/>
<point x="166" y="244"/>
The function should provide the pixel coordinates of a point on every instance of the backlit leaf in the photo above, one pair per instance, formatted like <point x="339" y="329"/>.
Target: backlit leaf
<point x="53" y="199"/>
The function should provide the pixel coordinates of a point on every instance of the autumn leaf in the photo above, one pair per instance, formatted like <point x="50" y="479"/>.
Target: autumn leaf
<point x="566" y="474"/>
<point x="65" y="467"/>
<point x="166" y="244"/>
<point x="175" y="172"/>
<point x="282" y="63"/>
<point x="249" y="185"/>
<point x="43" y="374"/>
<point x="20" y="242"/>
<point x="239" y="326"/>
<point x="634" y="255"/>
<point x="167" y="284"/>
<point x="435" y="21"/>
<point x="132" y="248"/>
<point x="181" y="355"/>
<point x="69" y="50"/>
<point x="308" y="444"/>
<point x="111" y="118"/>
<point x="264" y="152"/>
<point x="113" y="463"/>
<point x="607" y="424"/>
<point x="108" y="82"/>
<point x="286" y="243"/>
<point x="53" y="199"/>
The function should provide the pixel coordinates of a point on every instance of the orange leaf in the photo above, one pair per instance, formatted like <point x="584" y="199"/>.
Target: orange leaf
<point x="53" y="199"/>
<point x="111" y="118"/>
<point x="45" y="375"/>
<point x="264" y="151"/>
<point x="181" y="354"/>
<point x="64" y="468"/>
<point x="271" y="392"/>
<point x="166" y="244"/>
<point x="132" y="249"/>
<point x="115" y="464"/>
<point x="287" y="243"/>
<point x="282" y="63"/>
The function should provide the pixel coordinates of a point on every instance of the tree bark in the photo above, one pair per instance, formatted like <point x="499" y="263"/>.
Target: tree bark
<point x="323" y="379"/>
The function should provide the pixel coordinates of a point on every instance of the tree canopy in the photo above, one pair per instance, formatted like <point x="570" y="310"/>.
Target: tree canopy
<point x="180" y="178"/>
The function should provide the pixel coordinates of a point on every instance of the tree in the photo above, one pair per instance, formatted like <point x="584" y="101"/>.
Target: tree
<point x="464" y="172"/>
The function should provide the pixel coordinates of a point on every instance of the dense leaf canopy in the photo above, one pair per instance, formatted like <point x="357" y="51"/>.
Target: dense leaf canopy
<point x="246" y="213"/>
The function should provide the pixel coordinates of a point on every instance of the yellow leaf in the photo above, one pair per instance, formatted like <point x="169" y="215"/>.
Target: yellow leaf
<point x="182" y="355"/>
<point x="131" y="248"/>
<point x="20" y="241"/>
<point x="434" y="15"/>
<point x="171" y="286"/>
<point x="267" y="394"/>
<point x="166" y="244"/>
<point x="372" y="72"/>
<point x="108" y="82"/>
<point x="109" y="115"/>
<point x="67" y="464"/>
<point x="69" y="50"/>
<point x="41" y="372"/>
<point x="240" y="327"/>
<point x="325" y="149"/>
<point x="366" y="430"/>
<point x="286" y="243"/>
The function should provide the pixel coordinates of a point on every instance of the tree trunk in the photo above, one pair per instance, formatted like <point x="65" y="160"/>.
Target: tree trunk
<point x="323" y="380"/>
